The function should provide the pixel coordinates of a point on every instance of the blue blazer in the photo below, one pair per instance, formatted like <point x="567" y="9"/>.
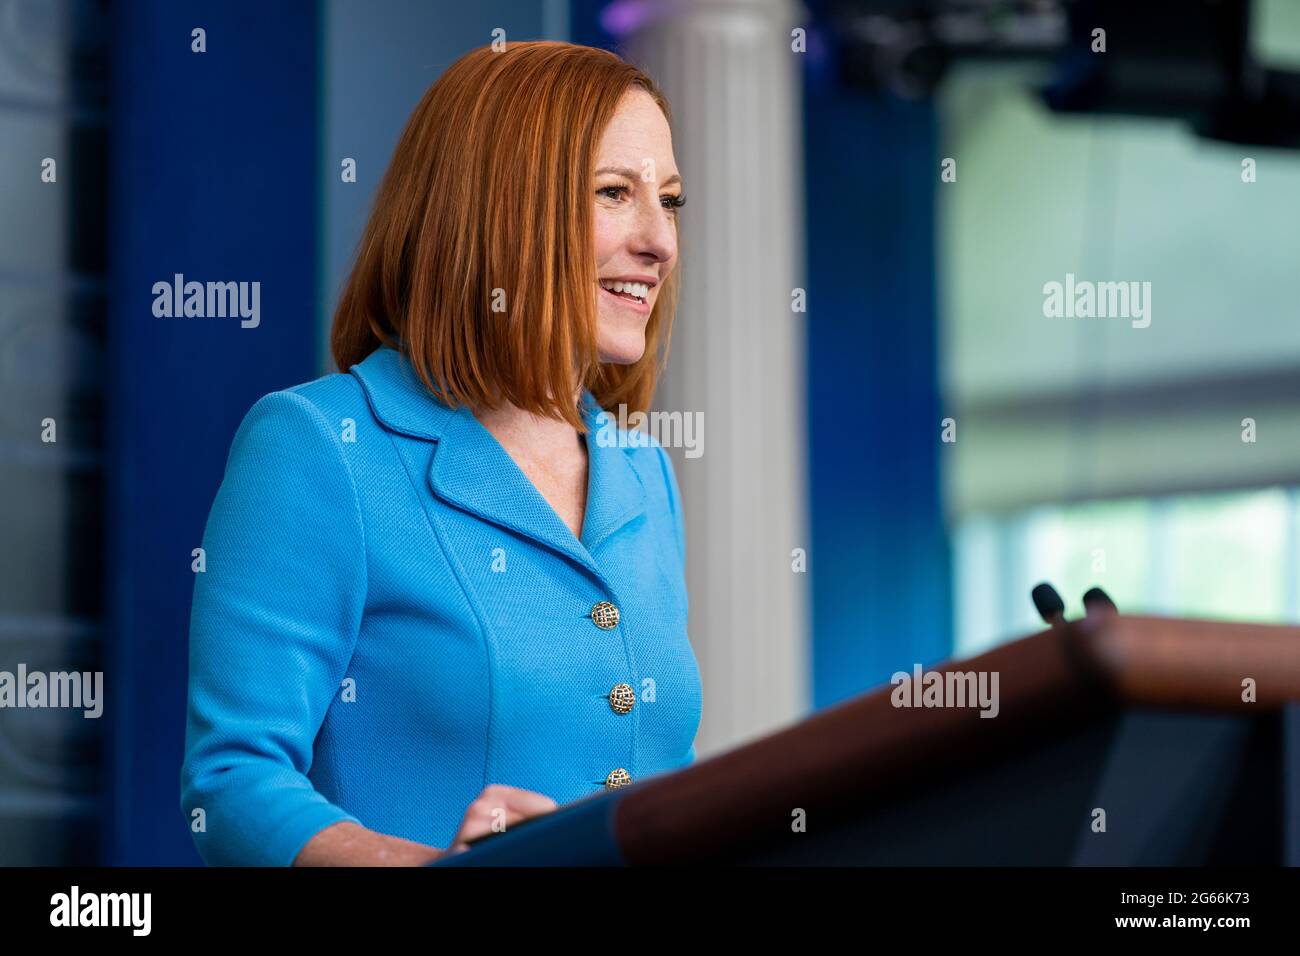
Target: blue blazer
<point x="390" y="617"/>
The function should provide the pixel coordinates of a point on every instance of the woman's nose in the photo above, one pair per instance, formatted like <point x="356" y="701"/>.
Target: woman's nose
<point x="655" y="234"/>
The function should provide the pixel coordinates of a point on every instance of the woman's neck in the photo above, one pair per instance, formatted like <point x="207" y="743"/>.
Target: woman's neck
<point x="535" y="437"/>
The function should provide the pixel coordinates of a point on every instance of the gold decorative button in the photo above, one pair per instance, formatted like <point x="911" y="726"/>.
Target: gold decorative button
<point x="617" y="778"/>
<point x="605" y="616"/>
<point x="621" y="698"/>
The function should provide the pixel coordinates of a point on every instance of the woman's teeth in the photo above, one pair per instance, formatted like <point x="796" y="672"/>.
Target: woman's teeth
<point x="633" y="290"/>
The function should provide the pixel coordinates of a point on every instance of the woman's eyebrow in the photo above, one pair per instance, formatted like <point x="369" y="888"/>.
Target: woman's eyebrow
<point x="632" y="174"/>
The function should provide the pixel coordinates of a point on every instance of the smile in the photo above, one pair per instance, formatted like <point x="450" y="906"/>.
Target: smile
<point x="634" y="295"/>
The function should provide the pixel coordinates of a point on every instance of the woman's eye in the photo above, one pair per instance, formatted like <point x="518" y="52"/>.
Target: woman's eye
<point x="671" y="203"/>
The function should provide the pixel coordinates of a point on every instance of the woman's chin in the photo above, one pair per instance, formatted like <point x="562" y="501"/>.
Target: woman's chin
<point x="623" y="349"/>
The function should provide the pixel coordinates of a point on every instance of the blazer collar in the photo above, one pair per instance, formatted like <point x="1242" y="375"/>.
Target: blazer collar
<point x="471" y="470"/>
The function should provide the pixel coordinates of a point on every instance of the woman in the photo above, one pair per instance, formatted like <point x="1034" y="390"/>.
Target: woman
<point x="432" y="605"/>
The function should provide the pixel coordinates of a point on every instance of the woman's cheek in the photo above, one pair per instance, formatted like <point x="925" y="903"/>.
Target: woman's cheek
<point x="606" y="237"/>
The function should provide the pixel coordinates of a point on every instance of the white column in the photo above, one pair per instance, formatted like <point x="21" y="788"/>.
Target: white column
<point x="733" y="82"/>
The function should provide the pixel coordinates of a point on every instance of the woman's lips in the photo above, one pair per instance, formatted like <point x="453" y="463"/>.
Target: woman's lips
<point x="641" y="308"/>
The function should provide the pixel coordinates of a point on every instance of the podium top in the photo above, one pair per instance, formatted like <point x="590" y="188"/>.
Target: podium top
<point x="870" y="747"/>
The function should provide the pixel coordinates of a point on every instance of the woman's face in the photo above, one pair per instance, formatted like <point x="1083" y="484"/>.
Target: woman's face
<point x="635" y="223"/>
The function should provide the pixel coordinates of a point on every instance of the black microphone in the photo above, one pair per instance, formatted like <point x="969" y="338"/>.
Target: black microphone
<point x="1048" y="603"/>
<point x="1096" y="601"/>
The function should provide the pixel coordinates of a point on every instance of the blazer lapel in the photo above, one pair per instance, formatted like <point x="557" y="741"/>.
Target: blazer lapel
<point x="398" y="397"/>
<point x="472" y="471"/>
<point x="615" y="495"/>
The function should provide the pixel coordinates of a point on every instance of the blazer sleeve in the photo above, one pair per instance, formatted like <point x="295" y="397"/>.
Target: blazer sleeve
<point x="274" y="621"/>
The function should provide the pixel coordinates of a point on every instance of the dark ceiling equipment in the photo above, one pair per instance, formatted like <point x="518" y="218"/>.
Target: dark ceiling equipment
<point x="1190" y="60"/>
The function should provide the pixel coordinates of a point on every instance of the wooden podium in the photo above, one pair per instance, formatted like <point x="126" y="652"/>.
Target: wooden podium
<point x="1143" y="724"/>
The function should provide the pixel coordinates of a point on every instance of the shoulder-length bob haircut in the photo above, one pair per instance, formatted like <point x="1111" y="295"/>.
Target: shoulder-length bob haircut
<point x="478" y="260"/>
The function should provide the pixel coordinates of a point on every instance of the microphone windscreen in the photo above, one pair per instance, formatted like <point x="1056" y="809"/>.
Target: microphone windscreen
<point x="1047" y="602"/>
<point x="1095" y="599"/>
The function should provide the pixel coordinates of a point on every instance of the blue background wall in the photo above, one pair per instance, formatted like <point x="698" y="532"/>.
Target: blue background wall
<point x="212" y="174"/>
<point x="881" y="595"/>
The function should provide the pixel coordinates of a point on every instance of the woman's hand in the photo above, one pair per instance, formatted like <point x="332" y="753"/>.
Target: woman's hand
<point x="349" y="844"/>
<point x="498" y="802"/>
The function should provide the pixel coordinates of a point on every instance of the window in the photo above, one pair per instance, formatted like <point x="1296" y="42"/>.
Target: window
<point x="1231" y="556"/>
